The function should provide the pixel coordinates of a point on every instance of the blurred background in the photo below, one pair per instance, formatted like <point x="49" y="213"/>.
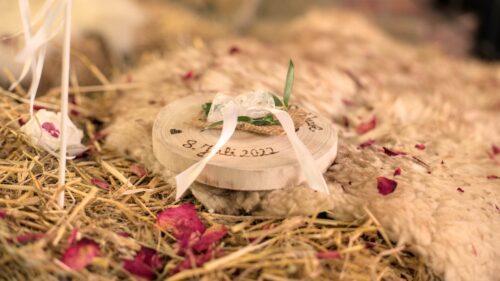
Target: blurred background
<point x="114" y="35"/>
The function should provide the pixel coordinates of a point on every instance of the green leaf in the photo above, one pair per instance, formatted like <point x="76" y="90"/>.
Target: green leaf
<point x="206" y="108"/>
<point x="277" y="101"/>
<point x="288" y="84"/>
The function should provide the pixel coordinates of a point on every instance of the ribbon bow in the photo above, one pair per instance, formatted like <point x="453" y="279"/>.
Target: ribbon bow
<point x="254" y="105"/>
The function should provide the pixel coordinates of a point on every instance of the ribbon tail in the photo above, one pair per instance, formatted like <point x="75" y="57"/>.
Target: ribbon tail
<point x="186" y="178"/>
<point x="306" y="161"/>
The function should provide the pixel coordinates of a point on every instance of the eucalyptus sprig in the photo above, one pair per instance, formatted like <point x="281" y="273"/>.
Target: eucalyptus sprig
<point x="268" y="119"/>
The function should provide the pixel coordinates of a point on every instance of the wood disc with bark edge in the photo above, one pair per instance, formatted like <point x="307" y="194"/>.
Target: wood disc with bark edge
<point x="248" y="161"/>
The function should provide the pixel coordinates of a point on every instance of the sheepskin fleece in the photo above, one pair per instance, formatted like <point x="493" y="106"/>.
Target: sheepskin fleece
<point x="348" y="71"/>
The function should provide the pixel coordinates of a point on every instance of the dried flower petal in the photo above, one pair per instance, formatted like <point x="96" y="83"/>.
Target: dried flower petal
<point x="392" y="152"/>
<point x="210" y="237"/>
<point x="459" y="189"/>
<point x="191" y="261"/>
<point x="80" y="254"/>
<point x="182" y="221"/>
<point x="397" y="172"/>
<point x="328" y="255"/>
<point x="47" y="135"/>
<point x="492" y="177"/>
<point x="29" y="237"/>
<point x="367" y="143"/>
<point x="234" y="50"/>
<point x="366" y="126"/>
<point x="420" y="146"/>
<point x="138" y="170"/>
<point x="495" y="149"/>
<point x="145" y="263"/>
<point x="188" y="75"/>
<point x="100" y="183"/>
<point x="51" y="129"/>
<point x="386" y="186"/>
<point x="3" y="214"/>
<point x="38" y="107"/>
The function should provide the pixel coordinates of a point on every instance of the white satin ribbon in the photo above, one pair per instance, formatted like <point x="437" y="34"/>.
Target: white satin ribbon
<point x="306" y="161"/>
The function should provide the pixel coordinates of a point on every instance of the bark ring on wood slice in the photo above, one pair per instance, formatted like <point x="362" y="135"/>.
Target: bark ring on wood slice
<point x="248" y="161"/>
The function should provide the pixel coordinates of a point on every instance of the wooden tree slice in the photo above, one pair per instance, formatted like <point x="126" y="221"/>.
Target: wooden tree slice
<point x="248" y="161"/>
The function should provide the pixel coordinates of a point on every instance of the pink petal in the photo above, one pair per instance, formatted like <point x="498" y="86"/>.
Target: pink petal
<point x="182" y="221"/>
<point x="367" y="143"/>
<point x="188" y="75"/>
<point x="124" y="234"/>
<point x="81" y="254"/>
<point x="420" y="146"/>
<point x="393" y="152"/>
<point x="100" y="183"/>
<point x="328" y="255"/>
<point x="347" y="102"/>
<point x="234" y="50"/>
<point x="51" y="129"/>
<point x="492" y="177"/>
<point x="397" y="172"/>
<point x="29" y="237"/>
<point x="386" y="186"/>
<point x="138" y="170"/>
<point x="495" y="149"/>
<point x="460" y="190"/>
<point x="3" y="214"/>
<point x="367" y="126"/>
<point x="191" y="261"/>
<point x="209" y="238"/>
<point x="145" y="263"/>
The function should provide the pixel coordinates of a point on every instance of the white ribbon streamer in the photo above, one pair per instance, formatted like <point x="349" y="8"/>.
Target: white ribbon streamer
<point x="306" y="161"/>
<point x="186" y="178"/>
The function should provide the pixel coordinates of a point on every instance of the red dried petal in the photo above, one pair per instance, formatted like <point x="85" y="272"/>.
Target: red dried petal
<point x="367" y="143"/>
<point x="347" y="102"/>
<point x="492" y="177"/>
<point x="397" y="172"/>
<point x="81" y="254"/>
<point x="495" y="149"/>
<point x="21" y="121"/>
<point x="124" y="234"/>
<point x="234" y="50"/>
<point x="51" y="129"/>
<point x="74" y="112"/>
<point x="210" y="237"/>
<point x="367" y="126"/>
<point x="386" y="186"/>
<point x="145" y="263"/>
<point x="391" y="152"/>
<point x="182" y="221"/>
<point x="138" y="170"/>
<point x="420" y="146"/>
<point x="3" y="214"/>
<point x="100" y="183"/>
<point x="38" y="107"/>
<point x="460" y="190"/>
<point x="191" y="261"/>
<point x="328" y="255"/>
<point x="29" y="237"/>
<point x="73" y="236"/>
<point x="188" y="75"/>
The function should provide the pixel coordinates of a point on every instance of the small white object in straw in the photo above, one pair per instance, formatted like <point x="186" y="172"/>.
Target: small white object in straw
<point x="255" y="105"/>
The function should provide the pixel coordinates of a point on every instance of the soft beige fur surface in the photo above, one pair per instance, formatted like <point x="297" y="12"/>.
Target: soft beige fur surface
<point x="349" y="71"/>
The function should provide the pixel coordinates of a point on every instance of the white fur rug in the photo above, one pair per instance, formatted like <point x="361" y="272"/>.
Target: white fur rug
<point x="437" y="121"/>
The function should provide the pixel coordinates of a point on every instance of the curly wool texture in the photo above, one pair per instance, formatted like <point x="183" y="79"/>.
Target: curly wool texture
<point x="351" y="74"/>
